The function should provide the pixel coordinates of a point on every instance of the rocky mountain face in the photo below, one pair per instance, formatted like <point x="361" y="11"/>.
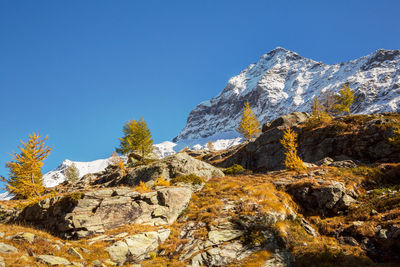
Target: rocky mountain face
<point x="282" y="81"/>
<point x="360" y="138"/>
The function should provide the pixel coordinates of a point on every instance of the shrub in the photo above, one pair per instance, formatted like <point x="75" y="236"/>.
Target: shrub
<point x="235" y="170"/>
<point x="160" y="181"/>
<point x="188" y="179"/>
<point x="142" y="188"/>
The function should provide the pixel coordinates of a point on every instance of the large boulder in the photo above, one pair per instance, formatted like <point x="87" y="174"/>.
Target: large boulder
<point x="287" y="121"/>
<point x="322" y="197"/>
<point x="137" y="247"/>
<point x="94" y="212"/>
<point x="170" y="167"/>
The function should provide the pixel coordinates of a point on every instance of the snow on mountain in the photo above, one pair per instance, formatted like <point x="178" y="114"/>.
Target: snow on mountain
<point x="6" y="196"/>
<point x="282" y="82"/>
<point x="164" y="149"/>
<point x="56" y="176"/>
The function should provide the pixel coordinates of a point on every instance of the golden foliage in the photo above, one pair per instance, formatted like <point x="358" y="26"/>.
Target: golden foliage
<point x="160" y="181"/>
<point x="72" y="173"/>
<point x="292" y="161"/>
<point x="249" y="126"/>
<point x="137" y="138"/>
<point x="344" y="100"/>
<point x="142" y="188"/>
<point x="319" y="114"/>
<point x="395" y="140"/>
<point x="25" y="179"/>
<point x="117" y="161"/>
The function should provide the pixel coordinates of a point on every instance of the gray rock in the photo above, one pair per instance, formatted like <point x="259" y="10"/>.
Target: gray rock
<point x="74" y="252"/>
<point x="170" y="167"/>
<point x="99" y="210"/>
<point x="343" y="164"/>
<point x="7" y="249"/>
<point x="280" y="259"/>
<point x="26" y="237"/>
<point x="217" y="237"/>
<point x="137" y="247"/>
<point x="118" y="252"/>
<point x="287" y="121"/>
<point x="327" y="197"/>
<point x="52" y="260"/>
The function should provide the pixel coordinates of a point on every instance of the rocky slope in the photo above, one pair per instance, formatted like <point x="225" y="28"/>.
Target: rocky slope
<point x="282" y="81"/>
<point x="345" y="216"/>
<point x="362" y="138"/>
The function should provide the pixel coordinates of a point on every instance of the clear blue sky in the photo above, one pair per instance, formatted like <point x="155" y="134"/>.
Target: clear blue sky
<point x="78" y="70"/>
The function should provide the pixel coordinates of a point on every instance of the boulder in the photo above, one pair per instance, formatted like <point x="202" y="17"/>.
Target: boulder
<point x="137" y="247"/>
<point x="7" y="249"/>
<point x="287" y="121"/>
<point x="169" y="167"/>
<point x="322" y="197"/>
<point x="94" y="212"/>
<point x="52" y="260"/>
<point x="26" y="237"/>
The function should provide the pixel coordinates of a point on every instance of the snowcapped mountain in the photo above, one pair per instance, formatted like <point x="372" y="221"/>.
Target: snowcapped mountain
<point x="56" y="176"/>
<point x="281" y="82"/>
<point x="164" y="149"/>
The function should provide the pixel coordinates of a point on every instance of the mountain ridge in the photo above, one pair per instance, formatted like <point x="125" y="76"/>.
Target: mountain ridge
<point x="282" y="81"/>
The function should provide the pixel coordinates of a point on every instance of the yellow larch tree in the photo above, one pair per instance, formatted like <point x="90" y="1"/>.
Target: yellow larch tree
<point x="249" y="126"/>
<point x="344" y="100"/>
<point x="137" y="138"/>
<point x="25" y="178"/>
<point x="319" y="114"/>
<point x="292" y="161"/>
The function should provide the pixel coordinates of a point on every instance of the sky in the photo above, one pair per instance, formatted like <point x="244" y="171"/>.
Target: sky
<point x="76" y="71"/>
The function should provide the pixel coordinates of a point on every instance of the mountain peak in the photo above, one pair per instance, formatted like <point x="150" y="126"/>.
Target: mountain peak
<point x="282" y="82"/>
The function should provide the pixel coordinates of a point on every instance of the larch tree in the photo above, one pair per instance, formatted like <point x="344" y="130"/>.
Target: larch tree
<point x="72" y="173"/>
<point x="137" y="138"/>
<point x="249" y="126"/>
<point x="319" y="114"/>
<point x="344" y="100"/>
<point x="292" y="161"/>
<point x="25" y="178"/>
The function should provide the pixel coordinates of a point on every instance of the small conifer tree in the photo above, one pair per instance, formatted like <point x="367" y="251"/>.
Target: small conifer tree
<point x="344" y="100"/>
<point x="318" y="115"/>
<point x="71" y="173"/>
<point x="137" y="138"/>
<point x="249" y="126"/>
<point x="25" y="178"/>
<point x="292" y="161"/>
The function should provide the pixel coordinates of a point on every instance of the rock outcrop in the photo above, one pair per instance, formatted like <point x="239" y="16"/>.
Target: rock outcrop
<point x="167" y="168"/>
<point x="137" y="247"/>
<point x="83" y="214"/>
<point x="323" y="197"/>
<point x="365" y="140"/>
